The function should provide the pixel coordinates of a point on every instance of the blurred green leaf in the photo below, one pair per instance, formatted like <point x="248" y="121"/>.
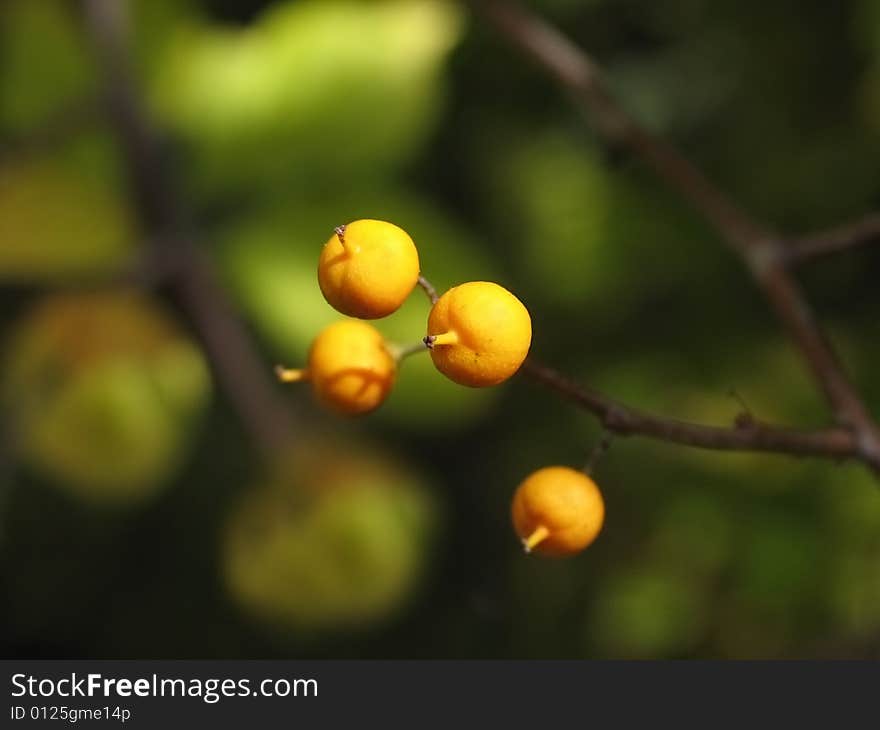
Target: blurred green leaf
<point x="44" y="62"/>
<point x="855" y="594"/>
<point x="314" y="93"/>
<point x="56" y="223"/>
<point x="780" y="563"/>
<point x="335" y="542"/>
<point x="584" y="235"/>
<point x="694" y="533"/>
<point x="647" y="613"/>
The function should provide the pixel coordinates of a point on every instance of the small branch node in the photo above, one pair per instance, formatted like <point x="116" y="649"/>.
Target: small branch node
<point x="599" y="450"/>
<point x="764" y="256"/>
<point x="745" y="419"/>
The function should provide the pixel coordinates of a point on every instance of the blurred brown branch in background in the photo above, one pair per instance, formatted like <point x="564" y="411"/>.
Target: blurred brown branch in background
<point x="763" y="251"/>
<point x="193" y="285"/>
<point x="850" y="235"/>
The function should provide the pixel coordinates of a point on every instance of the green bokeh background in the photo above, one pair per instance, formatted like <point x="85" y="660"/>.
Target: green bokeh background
<point x="389" y="536"/>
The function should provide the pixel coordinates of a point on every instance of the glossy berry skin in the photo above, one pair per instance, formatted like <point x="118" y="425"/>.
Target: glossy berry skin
<point x="350" y="368"/>
<point x="479" y="334"/>
<point x="557" y="511"/>
<point x="368" y="268"/>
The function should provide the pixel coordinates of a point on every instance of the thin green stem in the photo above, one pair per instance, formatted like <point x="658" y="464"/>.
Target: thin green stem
<point x="598" y="451"/>
<point x="401" y="352"/>
<point x="429" y="289"/>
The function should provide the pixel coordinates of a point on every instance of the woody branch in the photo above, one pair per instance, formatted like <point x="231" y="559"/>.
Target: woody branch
<point x="761" y="249"/>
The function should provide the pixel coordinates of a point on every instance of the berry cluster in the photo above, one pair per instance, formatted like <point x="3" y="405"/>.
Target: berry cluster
<point x="478" y="334"/>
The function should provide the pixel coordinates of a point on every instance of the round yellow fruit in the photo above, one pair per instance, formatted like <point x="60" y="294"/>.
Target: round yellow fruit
<point x="557" y="511"/>
<point x="368" y="268"/>
<point x="479" y="334"/>
<point x="349" y="367"/>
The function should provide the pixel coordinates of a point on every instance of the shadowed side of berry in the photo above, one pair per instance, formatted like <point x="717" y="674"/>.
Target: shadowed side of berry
<point x="350" y="367"/>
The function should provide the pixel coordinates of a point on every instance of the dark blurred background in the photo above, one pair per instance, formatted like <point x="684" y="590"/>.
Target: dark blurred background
<point x="140" y="519"/>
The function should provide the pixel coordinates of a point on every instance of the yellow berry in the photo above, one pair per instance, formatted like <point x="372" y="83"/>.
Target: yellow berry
<point x="349" y="367"/>
<point x="368" y="268"/>
<point x="479" y="334"/>
<point x="557" y="511"/>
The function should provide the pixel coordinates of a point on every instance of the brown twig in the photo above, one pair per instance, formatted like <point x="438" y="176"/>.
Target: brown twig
<point x="598" y="451"/>
<point x="850" y="235"/>
<point x="429" y="289"/>
<point x="835" y="443"/>
<point x="231" y="352"/>
<point x="759" y="247"/>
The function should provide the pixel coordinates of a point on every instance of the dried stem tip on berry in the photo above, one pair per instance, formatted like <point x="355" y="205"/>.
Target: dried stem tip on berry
<point x="340" y="233"/>
<point x="368" y="268"/>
